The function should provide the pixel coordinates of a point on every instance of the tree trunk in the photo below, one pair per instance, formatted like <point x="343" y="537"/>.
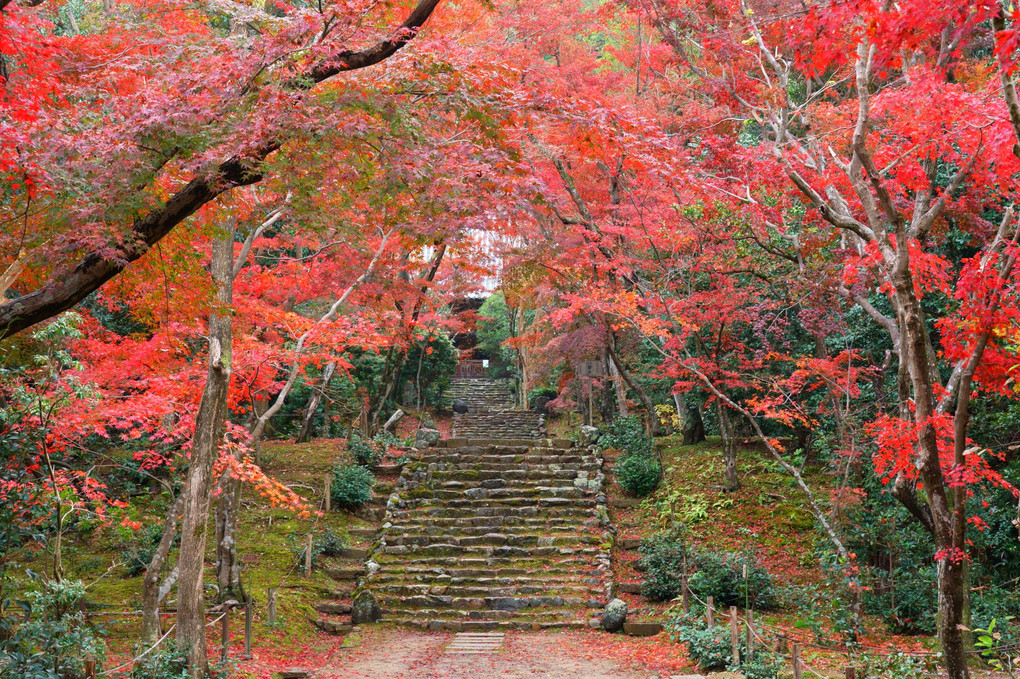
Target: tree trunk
<point x="653" y="420"/>
<point x="313" y="403"/>
<point x="210" y="425"/>
<point x="732" y="479"/>
<point x="228" y="505"/>
<point x="150" y="583"/>
<point x="691" y="425"/>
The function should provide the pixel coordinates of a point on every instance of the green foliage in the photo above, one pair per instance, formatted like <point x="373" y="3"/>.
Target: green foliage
<point x="721" y="575"/>
<point x="997" y="649"/>
<point x="366" y="452"/>
<point x="168" y="661"/>
<point x="627" y="434"/>
<point x="352" y="485"/>
<point x="662" y="559"/>
<point x="138" y="551"/>
<point x="54" y="642"/>
<point x="710" y="647"/>
<point x="327" y="543"/>
<point x="899" y="665"/>
<point x="493" y="330"/>
<point x="638" y="474"/>
<point x="430" y="362"/>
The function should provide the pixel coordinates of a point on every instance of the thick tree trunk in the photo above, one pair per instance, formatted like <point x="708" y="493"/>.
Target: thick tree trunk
<point x="653" y="420"/>
<point x="691" y="425"/>
<point x="313" y="403"/>
<point x="210" y="425"/>
<point x="732" y="478"/>
<point x="151" y="589"/>
<point x="228" y="570"/>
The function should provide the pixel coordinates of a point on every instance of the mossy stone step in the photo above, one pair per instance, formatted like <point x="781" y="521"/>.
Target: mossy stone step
<point x="439" y="625"/>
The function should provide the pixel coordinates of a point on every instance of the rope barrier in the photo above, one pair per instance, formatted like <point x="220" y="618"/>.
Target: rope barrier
<point x="149" y="650"/>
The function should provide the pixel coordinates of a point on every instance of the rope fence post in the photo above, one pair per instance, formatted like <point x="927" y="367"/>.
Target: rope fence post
<point x="750" y="633"/>
<point x="735" y="636"/>
<point x="225" y="633"/>
<point x="247" y="628"/>
<point x="271" y="605"/>
<point x="686" y="596"/>
<point x="710" y="612"/>
<point x="308" y="556"/>
<point x="798" y="670"/>
<point x="329" y="489"/>
<point x="851" y="673"/>
<point x="90" y="668"/>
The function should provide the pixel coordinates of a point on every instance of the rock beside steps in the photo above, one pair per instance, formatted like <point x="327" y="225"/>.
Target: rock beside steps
<point x="494" y="535"/>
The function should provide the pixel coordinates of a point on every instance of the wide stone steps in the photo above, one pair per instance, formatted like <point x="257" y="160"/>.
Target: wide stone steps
<point x="498" y="528"/>
<point x="491" y="539"/>
<point x="440" y="624"/>
<point x="480" y="395"/>
<point x="509" y="424"/>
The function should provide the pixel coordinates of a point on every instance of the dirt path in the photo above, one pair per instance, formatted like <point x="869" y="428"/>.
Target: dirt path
<point x="399" y="654"/>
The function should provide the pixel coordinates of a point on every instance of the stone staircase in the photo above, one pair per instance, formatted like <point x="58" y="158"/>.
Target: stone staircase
<point x="481" y="395"/>
<point x="507" y="424"/>
<point x="485" y="535"/>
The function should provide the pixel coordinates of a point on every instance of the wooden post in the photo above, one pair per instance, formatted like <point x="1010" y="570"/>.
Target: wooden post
<point x="271" y="605"/>
<point x="329" y="490"/>
<point x="735" y="636"/>
<point x="686" y="597"/>
<point x="750" y="633"/>
<point x="90" y="668"/>
<point x="225" y="632"/>
<point x="710" y="612"/>
<point x="851" y="673"/>
<point x="247" y="628"/>
<point x="308" y="556"/>
<point x="797" y="670"/>
<point x="782" y="644"/>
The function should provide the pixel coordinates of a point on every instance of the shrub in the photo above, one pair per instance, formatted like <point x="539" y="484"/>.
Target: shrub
<point x="55" y="640"/>
<point x="710" y="647"/>
<point x="639" y="475"/>
<point x="627" y="434"/>
<point x="168" y="661"/>
<point x="662" y="558"/>
<point x="721" y="576"/>
<point x="352" y="485"/>
<point x="366" y="452"/>
<point x="330" y="543"/>
<point x="138" y="552"/>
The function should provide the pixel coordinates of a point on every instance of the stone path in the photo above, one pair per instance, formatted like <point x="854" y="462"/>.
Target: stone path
<point x="400" y="654"/>
<point x="471" y="643"/>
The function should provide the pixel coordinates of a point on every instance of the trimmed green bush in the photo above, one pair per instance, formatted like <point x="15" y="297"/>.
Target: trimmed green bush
<point x="710" y="647"/>
<point x="366" y="452"/>
<point x="720" y="575"/>
<point x="352" y="485"/>
<point x="638" y="474"/>
<point x="627" y="434"/>
<point x="662" y="559"/>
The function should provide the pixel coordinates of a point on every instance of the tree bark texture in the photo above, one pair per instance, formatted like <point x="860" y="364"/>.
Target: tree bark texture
<point x="210" y="425"/>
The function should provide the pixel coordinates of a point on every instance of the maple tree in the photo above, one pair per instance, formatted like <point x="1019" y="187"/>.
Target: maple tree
<point x="775" y="217"/>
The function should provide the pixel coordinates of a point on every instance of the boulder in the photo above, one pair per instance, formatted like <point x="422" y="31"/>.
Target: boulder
<point x="542" y="405"/>
<point x="614" y="615"/>
<point x="460" y="406"/>
<point x="587" y="435"/>
<point x="365" y="608"/>
<point x="426" y="438"/>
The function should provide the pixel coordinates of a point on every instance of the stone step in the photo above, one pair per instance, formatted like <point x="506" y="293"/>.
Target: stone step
<point x="483" y="510"/>
<point x="511" y="604"/>
<point x="467" y="527"/>
<point x="448" y="549"/>
<point x="503" y="492"/>
<point x="476" y="590"/>
<point x="469" y="476"/>
<point x="568" y="562"/>
<point x="480" y="569"/>
<point x="572" y="499"/>
<point x="535" y="614"/>
<point x="492" y="539"/>
<point x="438" y="624"/>
<point x="531" y="457"/>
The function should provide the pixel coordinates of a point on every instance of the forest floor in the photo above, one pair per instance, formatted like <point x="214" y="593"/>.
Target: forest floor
<point x="765" y="518"/>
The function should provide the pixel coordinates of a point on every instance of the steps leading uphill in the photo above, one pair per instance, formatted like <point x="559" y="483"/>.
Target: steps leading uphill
<point x="481" y="395"/>
<point x="489" y="534"/>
